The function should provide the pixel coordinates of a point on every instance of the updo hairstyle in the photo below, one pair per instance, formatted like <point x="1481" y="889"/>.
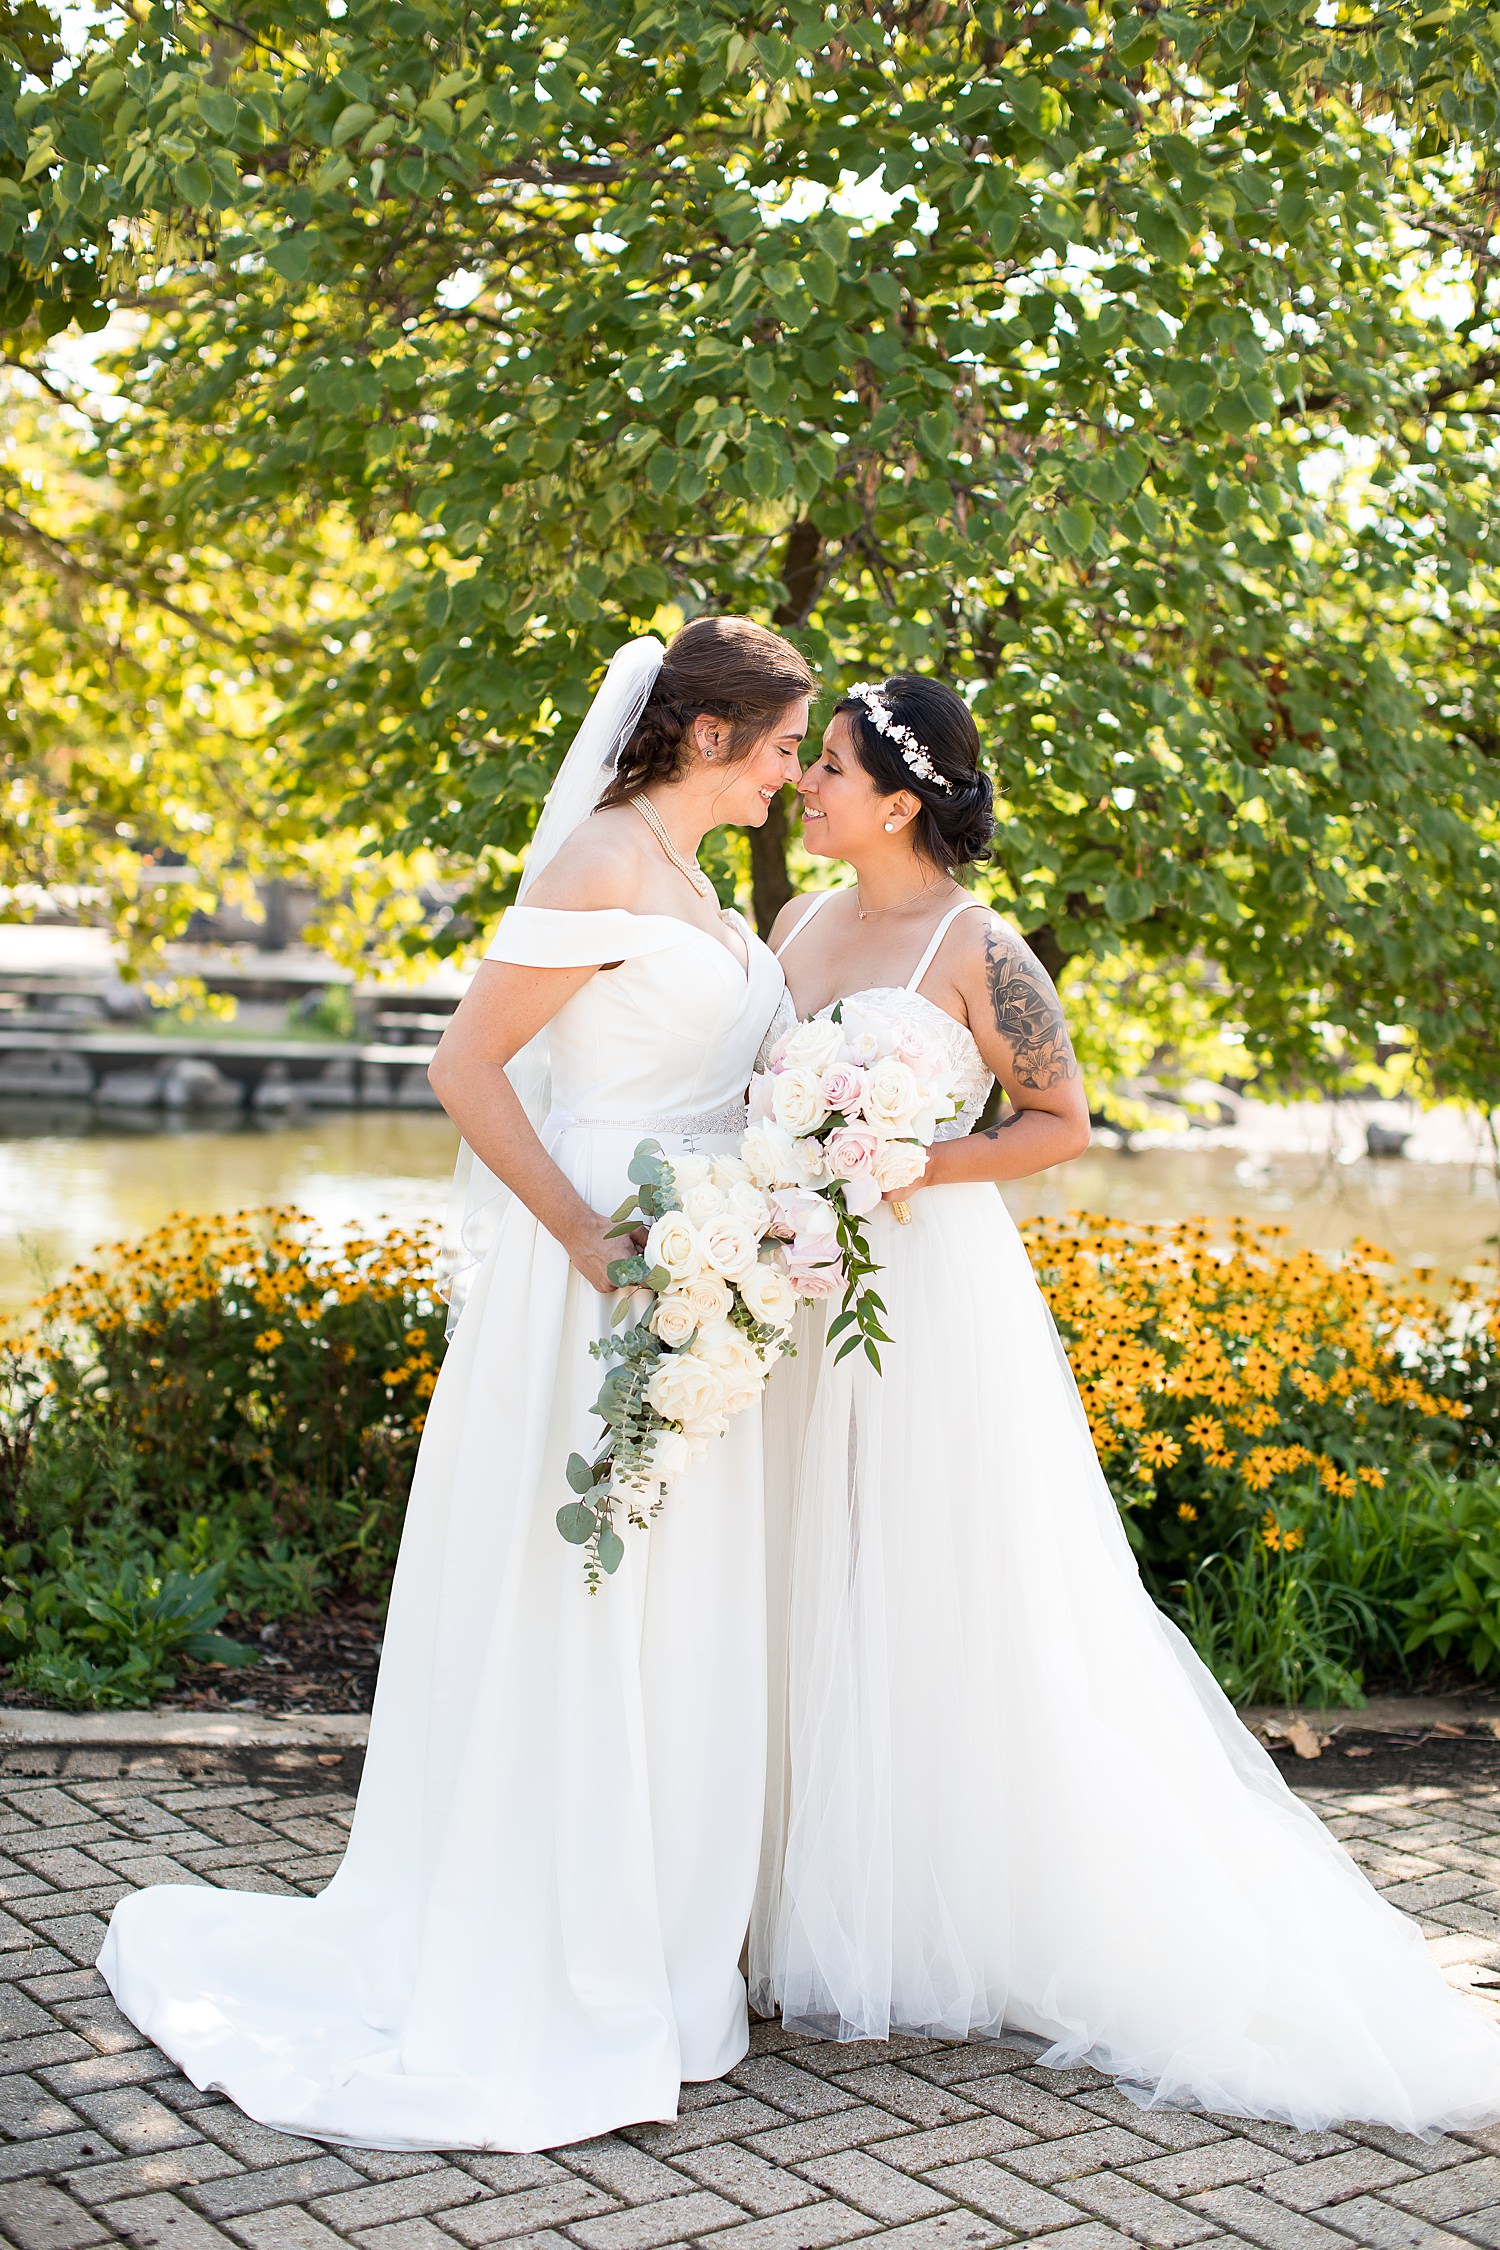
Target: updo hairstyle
<point x="955" y="826"/>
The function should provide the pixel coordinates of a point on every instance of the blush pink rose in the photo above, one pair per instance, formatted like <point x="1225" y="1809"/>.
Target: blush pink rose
<point x="843" y="1087"/>
<point x="814" y="1281"/>
<point x="850" y="1152"/>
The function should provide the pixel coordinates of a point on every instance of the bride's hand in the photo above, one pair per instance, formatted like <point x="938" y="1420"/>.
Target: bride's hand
<point x="594" y="1246"/>
<point x="905" y="1194"/>
<point x="593" y="1249"/>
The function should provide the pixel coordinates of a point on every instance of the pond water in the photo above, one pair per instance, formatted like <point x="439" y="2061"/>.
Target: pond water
<point x="69" y="1183"/>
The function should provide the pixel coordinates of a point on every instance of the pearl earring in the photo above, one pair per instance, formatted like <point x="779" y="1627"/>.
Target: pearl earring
<point x="890" y="824"/>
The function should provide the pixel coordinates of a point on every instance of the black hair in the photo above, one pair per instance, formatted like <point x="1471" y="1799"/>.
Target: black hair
<point x="956" y="825"/>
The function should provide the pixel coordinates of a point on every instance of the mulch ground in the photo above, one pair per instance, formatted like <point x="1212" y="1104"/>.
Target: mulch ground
<point x="323" y="1663"/>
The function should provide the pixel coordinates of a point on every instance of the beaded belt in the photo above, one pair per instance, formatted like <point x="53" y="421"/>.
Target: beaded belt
<point x="733" y="1117"/>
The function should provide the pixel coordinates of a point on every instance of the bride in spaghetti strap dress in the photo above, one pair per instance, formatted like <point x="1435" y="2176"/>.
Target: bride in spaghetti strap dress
<point x="1004" y="1794"/>
<point x="535" y="1933"/>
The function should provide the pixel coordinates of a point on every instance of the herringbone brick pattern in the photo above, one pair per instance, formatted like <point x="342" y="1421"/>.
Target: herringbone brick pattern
<point x="926" y="2145"/>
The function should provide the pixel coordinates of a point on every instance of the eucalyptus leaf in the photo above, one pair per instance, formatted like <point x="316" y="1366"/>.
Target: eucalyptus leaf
<point x="577" y="1523"/>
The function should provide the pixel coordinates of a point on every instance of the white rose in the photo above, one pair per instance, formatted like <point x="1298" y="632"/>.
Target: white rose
<point x="730" y="1172"/>
<point x="709" y="1297"/>
<point x="673" y="1318"/>
<point x="736" y="1362"/>
<point x="749" y="1206"/>
<point x="769" y="1294"/>
<point x="673" y="1243"/>
<point x="669" y="1455"/>
<point x="766" y="1152"/>
<point x="726" y="1348"/>
<point x="866" y="1038"/>
<point x="703" y="1202"/>
<point x="688" y="1171"/>
<point x="729" y="1246"/>
<point x="815" y="1045"/>
<point x="892" y="1095"/>
<point x="898" y="1164"/>
<point x="797" y="1101"/>
<point x="684" y="1388"/>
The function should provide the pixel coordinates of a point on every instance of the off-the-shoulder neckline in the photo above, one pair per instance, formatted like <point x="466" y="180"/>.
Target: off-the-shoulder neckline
<point x="693" y="929"/>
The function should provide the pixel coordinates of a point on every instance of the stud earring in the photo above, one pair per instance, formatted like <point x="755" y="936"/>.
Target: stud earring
<point x="889" y="826"/>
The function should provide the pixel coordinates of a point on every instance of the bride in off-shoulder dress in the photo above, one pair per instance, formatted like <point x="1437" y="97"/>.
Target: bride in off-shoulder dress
<point x="535" y="1934"/>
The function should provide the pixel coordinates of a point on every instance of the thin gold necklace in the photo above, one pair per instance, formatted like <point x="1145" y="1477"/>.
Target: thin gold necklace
<point x="864" y="912"/>
<point x="687" y="867"/>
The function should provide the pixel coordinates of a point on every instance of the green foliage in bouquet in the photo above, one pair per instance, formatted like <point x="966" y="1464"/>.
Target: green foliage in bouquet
<point x="588" y="1520"/>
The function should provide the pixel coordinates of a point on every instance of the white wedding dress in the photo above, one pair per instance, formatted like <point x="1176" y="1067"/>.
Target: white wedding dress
<point x="535" y="1934"/>
<point x="1004" y="1793"/>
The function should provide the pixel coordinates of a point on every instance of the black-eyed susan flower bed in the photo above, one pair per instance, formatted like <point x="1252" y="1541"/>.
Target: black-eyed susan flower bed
<point x="223" y="1415"/>
<point x="1222" y="1371"/>
<point x="1303" y="1447"/>
<point x="219" y="1423"/>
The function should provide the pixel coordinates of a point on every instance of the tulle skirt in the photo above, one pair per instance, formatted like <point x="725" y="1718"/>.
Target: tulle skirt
<point x="1004" y="1793"/>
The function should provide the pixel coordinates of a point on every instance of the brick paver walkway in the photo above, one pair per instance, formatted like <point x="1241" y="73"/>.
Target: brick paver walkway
<point x="923" y="2144"/>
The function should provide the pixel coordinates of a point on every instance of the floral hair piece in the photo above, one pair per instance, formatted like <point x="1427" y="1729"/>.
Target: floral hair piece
<point x="878" y="711"/>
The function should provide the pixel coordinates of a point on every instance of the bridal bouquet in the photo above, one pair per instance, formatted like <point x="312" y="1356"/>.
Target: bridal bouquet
<point x="844" y="1114"/>
<point x="720" y="1296"/>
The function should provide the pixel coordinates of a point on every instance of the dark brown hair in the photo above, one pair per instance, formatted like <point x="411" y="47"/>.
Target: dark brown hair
<point x="956" y="824"/>
<point x="716" y="667"/>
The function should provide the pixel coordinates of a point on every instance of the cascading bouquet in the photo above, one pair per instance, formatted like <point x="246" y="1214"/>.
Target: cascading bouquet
<point x="844" y="1114"/>
<point x="722" y="1297"/>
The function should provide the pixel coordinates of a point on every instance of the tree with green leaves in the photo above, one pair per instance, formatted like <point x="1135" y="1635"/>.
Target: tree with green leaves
<point x="1134" y="367"/>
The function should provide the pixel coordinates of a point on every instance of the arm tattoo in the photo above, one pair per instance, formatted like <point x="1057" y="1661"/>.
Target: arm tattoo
<point x="1027" y="1014"/>
<point x="993" y="1132"/>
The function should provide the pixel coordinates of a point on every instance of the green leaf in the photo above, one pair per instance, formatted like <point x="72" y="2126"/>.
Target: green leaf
<point x="610" y="1550"/>
<point x="580" y="1473"/>
<point x="1075" y="524"/>
<point x="218" y="1648"/>
<point x="353" y="119"/>
<point x="290" y="257"/>
<point x="577" y="1523"/>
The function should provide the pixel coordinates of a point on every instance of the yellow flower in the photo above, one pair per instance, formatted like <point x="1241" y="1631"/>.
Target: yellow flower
<point x="1187" y="1511"/>
<point x="1157" y="1446"/>
<point x="1207" y="1431"/>
<point x="267" y="1341"/>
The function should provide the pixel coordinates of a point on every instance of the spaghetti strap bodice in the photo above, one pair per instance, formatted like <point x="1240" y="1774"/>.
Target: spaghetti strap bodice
<point x="937" y="938"/>
<point x="974" y="1078"/>
<point x="819" y="898"/>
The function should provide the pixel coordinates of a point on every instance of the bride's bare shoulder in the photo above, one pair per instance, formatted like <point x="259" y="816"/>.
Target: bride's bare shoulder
<point x="797" y="907"/>
<point x="602" y="864"/>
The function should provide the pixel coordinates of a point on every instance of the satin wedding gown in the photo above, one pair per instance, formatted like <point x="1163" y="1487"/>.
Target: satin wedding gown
<point x="1004" y="1793"/>
<point x="535" y="1934"/>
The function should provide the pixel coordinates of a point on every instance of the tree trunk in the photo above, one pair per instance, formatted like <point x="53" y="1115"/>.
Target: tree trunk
<point x="1045" y="945"/>
<point x="770" y="884"/>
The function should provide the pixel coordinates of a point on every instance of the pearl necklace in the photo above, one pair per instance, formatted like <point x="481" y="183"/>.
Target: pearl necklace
<point x="687" y="867"/>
